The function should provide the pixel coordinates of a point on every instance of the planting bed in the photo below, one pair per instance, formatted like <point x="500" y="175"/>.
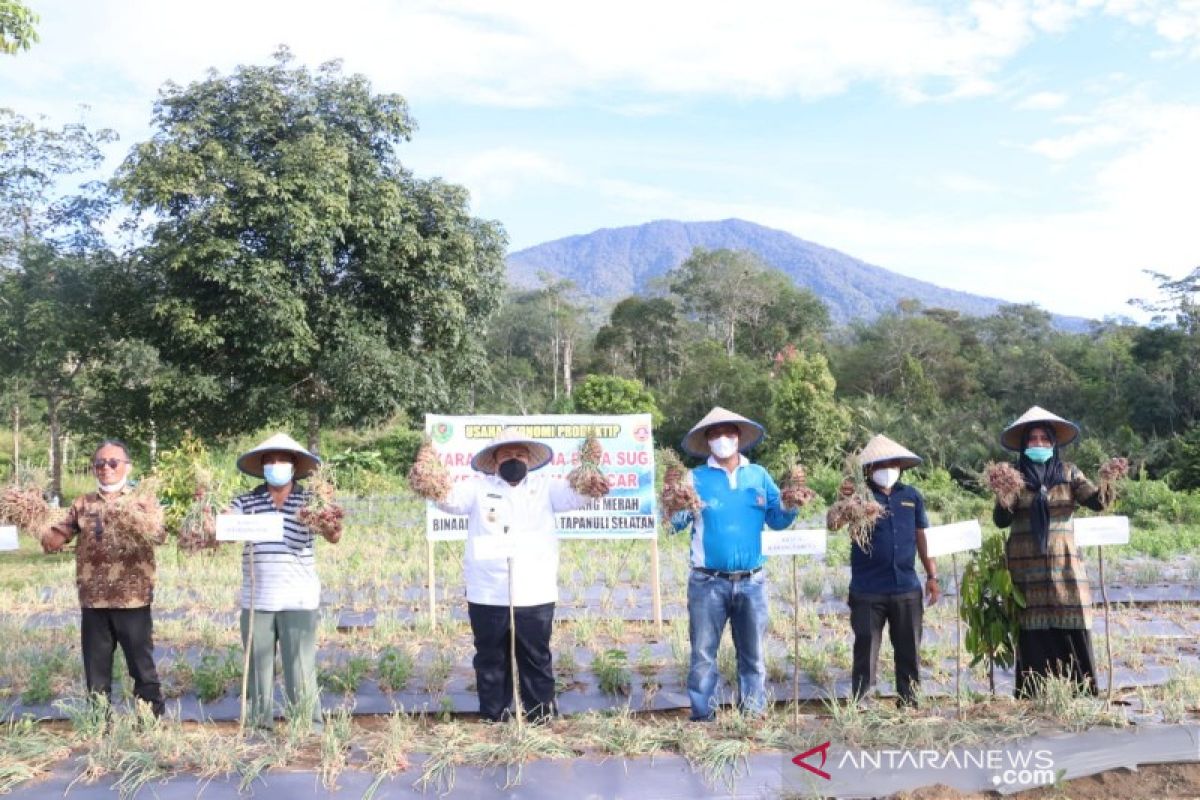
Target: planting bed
<point x="380" y="653"/>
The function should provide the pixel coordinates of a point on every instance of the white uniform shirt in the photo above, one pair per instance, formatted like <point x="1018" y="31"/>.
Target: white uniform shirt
<point x="525" y="511"/>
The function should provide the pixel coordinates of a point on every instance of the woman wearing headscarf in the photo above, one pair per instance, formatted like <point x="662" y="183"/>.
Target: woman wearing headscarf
<point x="1055" y="623"/>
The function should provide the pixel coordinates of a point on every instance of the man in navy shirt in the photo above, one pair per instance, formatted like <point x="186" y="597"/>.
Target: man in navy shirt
<point x="884" y="587"/>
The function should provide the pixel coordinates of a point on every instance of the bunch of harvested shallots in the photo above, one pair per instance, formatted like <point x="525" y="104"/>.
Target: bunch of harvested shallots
<point x="678" y="493"/>
<point x="321" y="513"/>
<point x="428" y="477"/>
<point x="795" y="491"/>
<point x="1004" y="481"/>
<point x="587" y="479"/>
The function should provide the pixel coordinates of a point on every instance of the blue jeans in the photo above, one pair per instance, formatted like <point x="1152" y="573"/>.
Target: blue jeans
<point x="712" y="601"/>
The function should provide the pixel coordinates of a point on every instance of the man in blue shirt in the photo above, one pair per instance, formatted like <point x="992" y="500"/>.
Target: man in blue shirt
<point x="727" y="583"/>
<point x="884" y="587"/>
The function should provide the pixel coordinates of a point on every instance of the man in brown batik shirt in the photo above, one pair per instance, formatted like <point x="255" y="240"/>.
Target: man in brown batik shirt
<point x="114" y="571"/>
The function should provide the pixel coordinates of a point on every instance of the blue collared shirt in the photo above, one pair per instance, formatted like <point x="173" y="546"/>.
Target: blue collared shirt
<point x="727" y="534"/>
<point x="890" y="567"/>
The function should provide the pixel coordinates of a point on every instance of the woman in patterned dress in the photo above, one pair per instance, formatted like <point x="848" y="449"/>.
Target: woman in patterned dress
<point x="1055" y="636"/>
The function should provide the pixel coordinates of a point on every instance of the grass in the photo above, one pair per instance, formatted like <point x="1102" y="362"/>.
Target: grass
<point x="441" y="665"/>
<point x="335" y="746"/>
<point x="214" y="674"/>
<point x="388" y="751"/>
<point x="45" y="674"/>
<point x="27" y="751"/>
<point x="883" y="725"/>
<point x="1058" y="698"/>
<point x="134" y="751"/>
<point x="1171" y="702"/>
<point x="395" y="668"/>
<point x="718" y="760"/>
<point x="345" y="677"/>
<point x="611" y="668"/>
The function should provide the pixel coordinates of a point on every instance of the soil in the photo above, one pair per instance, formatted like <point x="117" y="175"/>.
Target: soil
<point x="1151" y="782"/>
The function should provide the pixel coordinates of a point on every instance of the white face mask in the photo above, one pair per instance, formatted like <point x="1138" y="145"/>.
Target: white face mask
<point x="111" y="488"/>
<point x="723" y="446"/>
<point x="884" y="478"/>
<point x="278" y="474"/>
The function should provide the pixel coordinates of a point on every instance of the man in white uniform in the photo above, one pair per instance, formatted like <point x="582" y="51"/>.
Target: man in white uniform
<point x="507" y="499"/>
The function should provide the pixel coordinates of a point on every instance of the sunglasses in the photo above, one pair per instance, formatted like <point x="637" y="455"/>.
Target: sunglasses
<point x="111" y="463"/>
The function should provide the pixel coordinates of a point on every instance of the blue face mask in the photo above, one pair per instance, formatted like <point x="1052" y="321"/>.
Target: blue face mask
<point x="278" y="474"/>
<point x="1039" y="455"/>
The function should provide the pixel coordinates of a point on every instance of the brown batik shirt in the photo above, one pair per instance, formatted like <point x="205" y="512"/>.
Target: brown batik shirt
<point x="113" y="569"/>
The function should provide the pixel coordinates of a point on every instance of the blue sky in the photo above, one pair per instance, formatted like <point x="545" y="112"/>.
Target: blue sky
<point x="1034" y="150"/>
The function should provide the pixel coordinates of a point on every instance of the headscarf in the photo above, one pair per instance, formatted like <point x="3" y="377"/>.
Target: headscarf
<point x="1040" y="479"/>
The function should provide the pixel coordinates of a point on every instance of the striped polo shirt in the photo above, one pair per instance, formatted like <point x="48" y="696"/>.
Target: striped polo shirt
<point x="285" y="573"/>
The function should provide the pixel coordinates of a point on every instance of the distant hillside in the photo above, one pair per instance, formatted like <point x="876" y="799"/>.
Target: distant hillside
<point x="612" y="263"/>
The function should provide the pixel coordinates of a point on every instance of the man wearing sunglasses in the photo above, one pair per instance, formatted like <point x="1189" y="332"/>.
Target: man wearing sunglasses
<point x="114" y="573"/>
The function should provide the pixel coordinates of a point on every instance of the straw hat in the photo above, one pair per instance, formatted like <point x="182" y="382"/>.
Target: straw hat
<point x="485" y="460"/>
<point x="251" y="462"/>
<point x="750" y="433"/>
<point x="1065" y="431"/>
<point x="881" y="448"/>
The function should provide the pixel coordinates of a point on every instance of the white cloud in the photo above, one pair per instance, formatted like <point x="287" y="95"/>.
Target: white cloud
<point x="528" y="53"/>
<point x="536" y="52"/>
<point x="497" y="173"/>
<point x="1042" y="101"/>
<point x="1119" y="120"/>
<point x="1176" y="21"/>
<point x="1063" y="148"/>
<point x="962" y="183"/>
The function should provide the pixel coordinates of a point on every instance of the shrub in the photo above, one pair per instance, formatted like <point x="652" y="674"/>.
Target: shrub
<point x="1151" y="502"/>
<point x="945" y="497"/>
<point x="611" y="394"/>
<point x="398" y="449"/>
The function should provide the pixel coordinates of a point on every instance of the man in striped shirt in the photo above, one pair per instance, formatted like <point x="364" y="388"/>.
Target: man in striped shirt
<point x="280" y="581"/>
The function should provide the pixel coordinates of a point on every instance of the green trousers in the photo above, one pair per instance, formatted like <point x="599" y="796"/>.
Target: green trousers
<point x="296" y="633"/>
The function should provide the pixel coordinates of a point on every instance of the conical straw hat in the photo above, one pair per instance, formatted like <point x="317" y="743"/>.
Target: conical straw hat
<point x="1065" y="431"/>
<point x="881" y="448"/>
<point x="250" y="462"/>
<point x="485" y="460"/>
<point x="750" y="433"/>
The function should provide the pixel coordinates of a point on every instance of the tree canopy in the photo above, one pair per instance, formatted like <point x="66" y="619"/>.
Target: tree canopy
<point x="291" y="254"/>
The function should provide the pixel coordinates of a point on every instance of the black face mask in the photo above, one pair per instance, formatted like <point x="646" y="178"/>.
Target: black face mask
<point x="513" y="470"/>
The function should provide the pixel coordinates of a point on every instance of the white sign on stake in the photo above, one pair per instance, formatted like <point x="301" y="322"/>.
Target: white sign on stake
<point x="957" y="537"/>
<point x="250" y="527"/>
<point x="1093" y="531"/>
<point x="799" y="542"/>
<point x="8" y="538"/>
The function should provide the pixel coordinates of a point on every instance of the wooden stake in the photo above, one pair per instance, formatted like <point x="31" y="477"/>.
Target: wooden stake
<point x="795" y="643"/>
<point x="957" y="635"/>
<point x="249" y="645"/>
<point x="1107" y="629"/>
<point x="656" y="590"/>
<point x="429" y="571"/>
<point x="512" y="649"/>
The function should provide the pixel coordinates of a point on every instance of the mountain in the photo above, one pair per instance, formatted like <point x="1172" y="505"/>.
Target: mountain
<point x="612" y="263"/>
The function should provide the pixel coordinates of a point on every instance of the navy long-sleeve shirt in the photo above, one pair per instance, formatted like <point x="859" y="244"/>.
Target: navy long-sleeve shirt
<point x="890" y="567"/>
